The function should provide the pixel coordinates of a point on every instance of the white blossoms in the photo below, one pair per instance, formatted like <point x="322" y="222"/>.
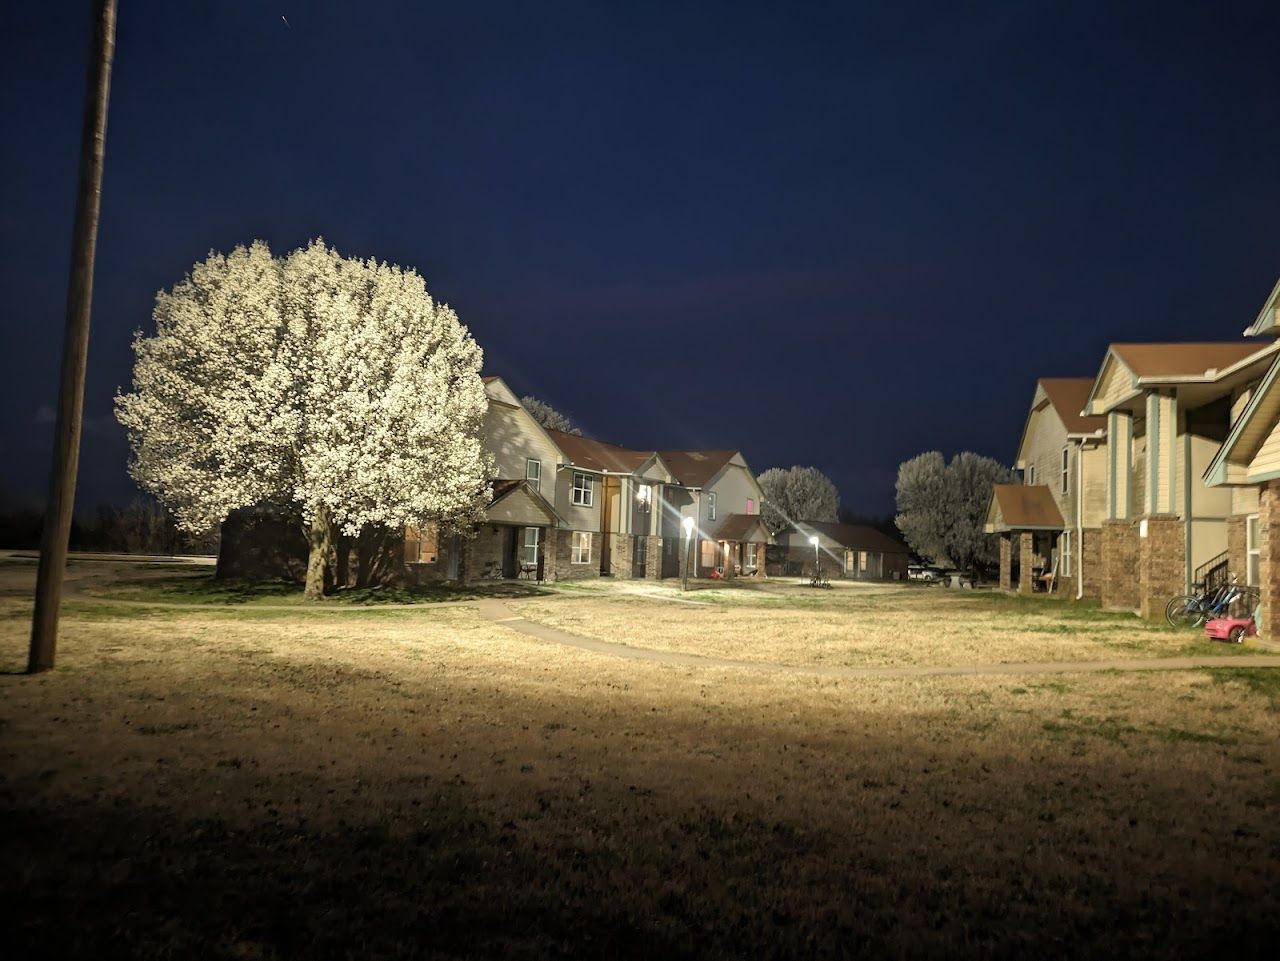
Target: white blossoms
<point x="336" y="387"/>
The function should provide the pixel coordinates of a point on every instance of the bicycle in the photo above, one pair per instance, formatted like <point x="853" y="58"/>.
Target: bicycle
<point x="1189" y="610"/>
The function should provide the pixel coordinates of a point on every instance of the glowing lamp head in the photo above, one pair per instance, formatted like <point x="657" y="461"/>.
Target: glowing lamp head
<point x="813" y="541"/>
<point x="687" y="524"/>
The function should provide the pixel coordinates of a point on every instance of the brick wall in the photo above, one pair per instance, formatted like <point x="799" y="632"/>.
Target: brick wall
<point x="1119" y="563"/>
<point x="1026" y="561"/>
<point x="1089" y="562"/>
<point x="653" y="559"/>
<point x="565" y="569"/>
<point x="1237" y="546"/>
<point x="1269" y="557"/>
<point x="1162" y="564"/>
<point x="1006" y="562"/>
<point x="620" y="554"/>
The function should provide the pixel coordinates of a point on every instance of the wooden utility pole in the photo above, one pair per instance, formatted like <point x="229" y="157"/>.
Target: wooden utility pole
<point x="75" y="343"/>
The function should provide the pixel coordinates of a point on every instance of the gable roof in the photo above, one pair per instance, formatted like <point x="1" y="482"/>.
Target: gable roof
<point x="696" y="468"/>
<point x="1069" y="395"/>
<point x="856" y="537"/>
<point x="1019" y="507"/>
<point x="598" y="455"/>
<point x="1249" y="432"/>
<point x="741" y="527"/>
<point x="1268" y="319"/>
<point x="505" y="489"/>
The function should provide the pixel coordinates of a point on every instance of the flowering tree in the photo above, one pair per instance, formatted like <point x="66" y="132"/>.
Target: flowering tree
<point x="548" y="416"/>
<point x="334" y="387"/>
<point x="797" y="494"/>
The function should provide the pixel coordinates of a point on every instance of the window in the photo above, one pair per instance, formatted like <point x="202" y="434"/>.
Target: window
<point x="1066" y="554"/>
<point x="421" y="544"/>
<point x="1066" y="472"/>
<point x="582" y="490"/>
<point x="751" y="506"/>
<point x="644" y="496"/>
<point x="533" y="473"/>
<point x="708" y="554"/>
<point x="1030" y="475"/>
<point x="1253" y="551"/>
<point x="851" y="562"/>
<point x="529" y="545"/>
<point x="581" y="550"/>
<point x="750" y="558"/>
<point x="711" y="505"/>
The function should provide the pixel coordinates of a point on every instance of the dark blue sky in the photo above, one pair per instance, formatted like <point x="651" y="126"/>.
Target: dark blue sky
<point x="831" y="234"/>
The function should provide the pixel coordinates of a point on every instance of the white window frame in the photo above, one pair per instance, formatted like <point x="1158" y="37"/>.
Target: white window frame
<point x="1252" y="550"/>
<point x="529" y="551"/>
<point x="580" y="550"/>
<point x="711" y="505"/>
<point x="750" y="555"/>
<point x="533" y="472"/>
<point x="1065" y="554"/>
<point x="1066" y="470"/>
<point x="583" y="489"/>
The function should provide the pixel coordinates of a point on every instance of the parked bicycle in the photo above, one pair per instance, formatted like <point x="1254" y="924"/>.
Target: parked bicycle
<point x="1193" y="610"/>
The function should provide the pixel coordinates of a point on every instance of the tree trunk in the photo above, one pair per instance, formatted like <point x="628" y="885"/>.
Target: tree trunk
<point x="321" y="545"/>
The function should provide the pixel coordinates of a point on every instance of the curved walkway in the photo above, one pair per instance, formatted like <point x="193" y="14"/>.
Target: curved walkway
<point x="497" y="612"/>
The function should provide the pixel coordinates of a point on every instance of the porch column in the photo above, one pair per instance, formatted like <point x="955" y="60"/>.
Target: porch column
<point x="1026" y="552"/>
<point x="1006" y="561"/>
<point x="1119" y="463"/>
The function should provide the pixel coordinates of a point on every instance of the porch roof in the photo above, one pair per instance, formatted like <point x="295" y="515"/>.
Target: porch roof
<point x="1019" y="507"/>
<point x="744" y="528"/>
<point x="516" y="502"/>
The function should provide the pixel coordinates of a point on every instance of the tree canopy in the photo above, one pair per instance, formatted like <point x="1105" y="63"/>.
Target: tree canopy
<point x="942" y="507"/>
<point x="331" y="387"/>
<point x="548" y="416"/>
<point x="797" y="494"/>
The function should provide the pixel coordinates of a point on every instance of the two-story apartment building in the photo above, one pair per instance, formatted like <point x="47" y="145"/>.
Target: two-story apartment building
<point x="1169" y="408"/>
<point x="1055" y="523"/>
<point x="565" y="506"/>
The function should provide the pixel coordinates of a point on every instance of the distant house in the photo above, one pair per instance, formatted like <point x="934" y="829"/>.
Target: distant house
<point x="1057" y="529"/>
<point x="853" y="551"/>
<point x="564" y="506"/>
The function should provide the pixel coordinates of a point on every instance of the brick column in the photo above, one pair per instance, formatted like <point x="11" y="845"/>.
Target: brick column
<point x="1237" y="539"/>
<point x="1120" y="565"/>
<point x="1006" y="561"/>
<point x="1269" y="557"/>
<point x="1089" y="562"/>
<point x="1026" y="547"/>
<point x="653" y="559"/>
<point x="1162" y="564"/>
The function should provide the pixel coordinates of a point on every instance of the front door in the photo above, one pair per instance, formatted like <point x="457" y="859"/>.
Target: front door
<point x="671" y="556"/>
<point x="510" y="565"/>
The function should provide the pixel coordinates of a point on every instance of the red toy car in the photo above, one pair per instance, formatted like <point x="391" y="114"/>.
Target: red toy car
<point x="1233" y="629"/>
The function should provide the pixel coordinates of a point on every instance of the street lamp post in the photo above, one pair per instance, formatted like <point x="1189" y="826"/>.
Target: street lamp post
<point x="817" y="562"/>
<point x="687" y="524"/>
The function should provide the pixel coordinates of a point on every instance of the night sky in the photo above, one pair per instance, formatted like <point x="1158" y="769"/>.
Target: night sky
<point x="833" y="234"/>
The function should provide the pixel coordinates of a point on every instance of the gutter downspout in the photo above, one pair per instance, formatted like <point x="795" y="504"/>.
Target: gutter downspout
<point x="1079" y="551"/>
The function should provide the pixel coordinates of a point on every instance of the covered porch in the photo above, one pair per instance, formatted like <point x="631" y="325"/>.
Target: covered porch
<point x="738" y="546"/>
<point x="1029" y="517"/>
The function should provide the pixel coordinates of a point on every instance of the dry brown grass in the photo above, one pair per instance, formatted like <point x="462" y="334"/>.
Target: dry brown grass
<point x="859" y="625"/>
<point x="282" y="784"/>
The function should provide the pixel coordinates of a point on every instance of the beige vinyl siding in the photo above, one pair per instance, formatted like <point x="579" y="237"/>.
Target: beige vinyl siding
<point x="1267" y="460"/>
<point x="1095" y="486"/>
<point x="1115" y="384"/>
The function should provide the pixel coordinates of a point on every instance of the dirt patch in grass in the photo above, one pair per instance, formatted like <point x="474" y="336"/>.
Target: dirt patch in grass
<point x="197" y="783"/>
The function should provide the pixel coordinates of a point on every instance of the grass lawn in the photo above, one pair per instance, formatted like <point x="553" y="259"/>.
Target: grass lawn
<point x="249" y="781"/>
<point x="859" y="625"/>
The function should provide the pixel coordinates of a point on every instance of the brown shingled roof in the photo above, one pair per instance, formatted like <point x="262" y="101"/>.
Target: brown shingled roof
<point x="694" y="468"/>
<point x="1025" y="508"/>
<point x="1184" y="360"/>
<point x="1069" y="395"/>
<point x="597" y="454"/>
<point x="856" y="537"/>
<point x="740" y="527"/>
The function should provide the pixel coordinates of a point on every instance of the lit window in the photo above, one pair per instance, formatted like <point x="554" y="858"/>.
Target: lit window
<point x="751" y="506"/>
<point x="581" y="549"/>
<point x="582" y="490"/>
<point x="1066" y="474"/>
<point x="644" y="495"/>
<point x="529" y="547"/>
<point x="533" y="473"/>
<point x="709" y="549"/>
<point x="711" y="505"/>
